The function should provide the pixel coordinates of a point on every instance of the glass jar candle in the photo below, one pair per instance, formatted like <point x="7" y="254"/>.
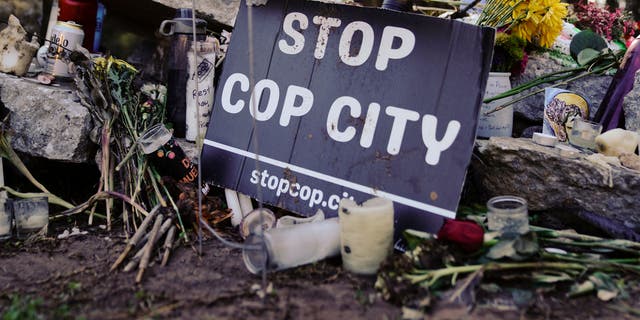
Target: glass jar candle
<point x="6" y="220"/>
<point x="31" y="215"/>
<point x="508" y="214"/>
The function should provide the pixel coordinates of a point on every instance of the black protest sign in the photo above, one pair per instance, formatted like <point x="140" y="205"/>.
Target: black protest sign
<point x="348" y="102"/>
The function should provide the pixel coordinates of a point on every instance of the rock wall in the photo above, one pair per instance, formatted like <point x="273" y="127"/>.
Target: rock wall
<point x="46" y="121"/>
<point x="223" y="11"/>
<point x="548" y="180"/>
<point x="28" y="11"/>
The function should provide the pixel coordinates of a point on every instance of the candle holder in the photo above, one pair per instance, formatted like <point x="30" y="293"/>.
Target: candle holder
<point x="293" y="246"/>
<point x="583" y="133"/>
<point x="31" y="215"/>
<point x="508" y="215"/>
<point x="6" y="218"/>
<point x="257" y="221"/>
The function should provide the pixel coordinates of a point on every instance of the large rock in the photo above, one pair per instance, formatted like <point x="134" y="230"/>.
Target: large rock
<point x="46" y="121"/>
<point x="28" y="11"/>
<point x="631" y="106"/>
<point x="593" y="87"/>
<point x="550" y="181"/>
<point x="223" y="11"/>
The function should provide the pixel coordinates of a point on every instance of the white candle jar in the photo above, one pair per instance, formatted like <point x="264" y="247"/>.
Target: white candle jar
<point x="31" y="215"/>
<point x="366" y="234"/>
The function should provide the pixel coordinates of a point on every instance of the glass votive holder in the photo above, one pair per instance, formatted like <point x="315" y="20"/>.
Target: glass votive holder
<point x="508" y="215"/>
<point x="31" y="215"/>
<point x="6" y="219"/>
<point x="293" y="246"/>
<point x="584" y="132"/>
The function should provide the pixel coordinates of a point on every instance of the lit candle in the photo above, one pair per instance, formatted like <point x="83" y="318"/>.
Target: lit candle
<point x="366" y="234"/>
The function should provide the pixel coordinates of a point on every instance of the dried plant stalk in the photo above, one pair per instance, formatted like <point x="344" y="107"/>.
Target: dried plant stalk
<point x="143" y="244"/>
<point x="136" y="237"/>
<point x="144" y="261"/>
<point x="168" y="245"/>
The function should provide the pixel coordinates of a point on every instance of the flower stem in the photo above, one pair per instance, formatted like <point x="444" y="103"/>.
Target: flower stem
<point x="595" y="71"/>
<point x="433" y="275"/>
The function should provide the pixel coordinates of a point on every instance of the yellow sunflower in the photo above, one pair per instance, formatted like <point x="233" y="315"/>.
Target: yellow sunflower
<point x="532" y="20"/>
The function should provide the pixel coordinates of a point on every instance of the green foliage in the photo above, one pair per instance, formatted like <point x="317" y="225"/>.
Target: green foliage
<point x="508" y="52"/>
<point x="62" y="312"/>
<point x="518" y="248"/>
<point x="586" y="39"/>
<point x="431" y="269"/>
<point x="587" y="55"/>
<point x="74" y="286"/>
<point x="22" y="308"/>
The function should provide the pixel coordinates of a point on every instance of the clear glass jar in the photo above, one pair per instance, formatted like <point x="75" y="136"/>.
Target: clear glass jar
<point x="6" y="219"/>
<point x="508" y="214"/>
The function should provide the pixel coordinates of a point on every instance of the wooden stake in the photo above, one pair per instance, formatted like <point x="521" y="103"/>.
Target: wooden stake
<point x="168" y="245"/>
<point x="144" y="261"/>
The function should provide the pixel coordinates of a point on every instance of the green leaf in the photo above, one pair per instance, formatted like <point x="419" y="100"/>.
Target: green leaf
<point x="586" y="39"/>
<point x="414" y="238"/>
<point x="607" y="288"/>
<point x="587" y="56"/>
<point x="551" y="276"/>
<point x="502" y="249"/>
<point x="527" y="244"/>
<point x="519" y="248"/>
<point x="581" y="288"/>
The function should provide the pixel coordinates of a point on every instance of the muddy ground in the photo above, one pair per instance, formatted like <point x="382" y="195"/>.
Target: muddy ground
<point x="70" y="279"/>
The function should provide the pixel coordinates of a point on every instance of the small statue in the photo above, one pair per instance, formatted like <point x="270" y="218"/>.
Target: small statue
<point x="16" y="52"/>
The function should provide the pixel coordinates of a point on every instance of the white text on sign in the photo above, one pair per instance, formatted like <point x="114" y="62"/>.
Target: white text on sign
<point x="401" y="117"/>
<point x="386" y="51"/>
<point x="298" y="101"/>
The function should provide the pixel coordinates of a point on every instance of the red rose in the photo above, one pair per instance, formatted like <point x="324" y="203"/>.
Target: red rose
<point x="467" y="234"/>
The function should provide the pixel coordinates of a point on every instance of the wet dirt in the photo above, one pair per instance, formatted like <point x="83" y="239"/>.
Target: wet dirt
<point x="73" y="275"/>
<point x="70" y="278"/>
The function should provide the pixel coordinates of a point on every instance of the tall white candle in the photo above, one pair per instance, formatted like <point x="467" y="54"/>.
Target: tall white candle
<point x="200" y="97"/>
<point x="366" y="234"/>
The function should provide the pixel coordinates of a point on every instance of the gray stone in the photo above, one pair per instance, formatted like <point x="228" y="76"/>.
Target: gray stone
<point x="46" y="121"/>
<point x="592" y="87"/>
<point x="508" y="166"/>
<point x="631" y="106"/>
<point x="223" y="11"/>
<point x="28" y="11"/>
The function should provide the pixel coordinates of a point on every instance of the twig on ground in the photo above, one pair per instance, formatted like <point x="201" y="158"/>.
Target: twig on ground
<point x="136" y="237"/>
<point x="144" y="261"/>
<point x="168" y="245"/>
